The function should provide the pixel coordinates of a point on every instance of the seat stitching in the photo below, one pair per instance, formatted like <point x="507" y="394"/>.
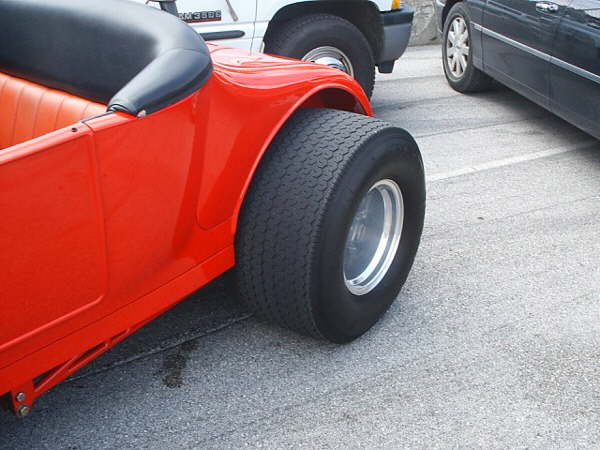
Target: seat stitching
<point x="82" y="111"/>
<point x="4" y="85"/>
<point x="84" y="114"/>
<point x="18" y="104"/>
<point x="6" y="79"/>
<point x="16" y="114"/>
<point x="58" y="113"/>
<point x="37" y="113"/>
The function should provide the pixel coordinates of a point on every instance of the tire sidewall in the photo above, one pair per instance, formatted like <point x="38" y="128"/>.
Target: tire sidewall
<point x="342" y="316"/>
<point x="333" y="32"/>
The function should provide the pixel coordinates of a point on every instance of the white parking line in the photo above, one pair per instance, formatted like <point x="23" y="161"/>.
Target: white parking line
<point x="506" y="162"/>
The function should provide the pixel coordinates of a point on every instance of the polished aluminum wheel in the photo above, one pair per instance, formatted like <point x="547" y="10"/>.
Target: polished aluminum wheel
<point x="332" y="57"/>
<point x="374" y="237"/>
<point x="457" y="47"/>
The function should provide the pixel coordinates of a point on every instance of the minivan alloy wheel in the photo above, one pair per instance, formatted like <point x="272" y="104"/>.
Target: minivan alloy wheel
<point x="457" y="47"/>
<point x="458" y="55"/>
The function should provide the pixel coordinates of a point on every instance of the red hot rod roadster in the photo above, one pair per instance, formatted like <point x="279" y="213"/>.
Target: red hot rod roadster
<point x="137" y="164"/>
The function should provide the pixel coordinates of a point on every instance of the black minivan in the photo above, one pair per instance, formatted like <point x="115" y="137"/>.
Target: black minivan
<point x="549" y="51"/>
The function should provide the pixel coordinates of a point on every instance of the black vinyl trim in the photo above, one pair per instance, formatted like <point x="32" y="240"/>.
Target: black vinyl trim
<point x="218" y="35"/>
<point x="398" y="16"/>
<point x="129" y="56"/>
<point x="169" y="78"/>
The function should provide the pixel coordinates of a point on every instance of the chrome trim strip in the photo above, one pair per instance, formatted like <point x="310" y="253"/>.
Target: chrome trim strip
<point x="544" y="56"/>
<point x="512" y="42"/>
<point x="577" y="70"/>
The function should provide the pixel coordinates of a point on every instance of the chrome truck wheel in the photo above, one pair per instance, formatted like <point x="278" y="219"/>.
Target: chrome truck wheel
<point x="332" y="57"/>
<point x="457" y="47"/>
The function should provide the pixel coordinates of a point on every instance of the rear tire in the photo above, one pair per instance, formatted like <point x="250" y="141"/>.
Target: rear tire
<point x="293" y="235"/>
<point x="457" y="57"/>
<point x="299" y="38"/>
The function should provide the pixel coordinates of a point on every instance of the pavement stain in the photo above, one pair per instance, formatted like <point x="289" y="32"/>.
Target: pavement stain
<point x="174" y="364"/>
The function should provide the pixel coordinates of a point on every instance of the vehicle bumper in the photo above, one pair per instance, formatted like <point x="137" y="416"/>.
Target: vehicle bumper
<point x="396" y="33"/>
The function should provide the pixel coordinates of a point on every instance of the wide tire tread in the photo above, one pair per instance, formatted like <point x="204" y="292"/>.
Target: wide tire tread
<point x="284" y="208"/>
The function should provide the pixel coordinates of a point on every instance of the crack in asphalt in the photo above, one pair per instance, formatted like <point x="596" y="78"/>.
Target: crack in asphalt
<point x="413" y="78"/>
<point x="167" y="344"/>
<point x="390" y="107"/>
<point x="486" y="125"/>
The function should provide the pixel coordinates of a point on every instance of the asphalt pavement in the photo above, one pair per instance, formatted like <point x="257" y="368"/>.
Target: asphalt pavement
<point x="494" y="341"/>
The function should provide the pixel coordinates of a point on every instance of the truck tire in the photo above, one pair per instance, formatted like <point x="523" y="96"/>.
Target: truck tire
<point x="325" y="39"/>
<point x="331" y="224"/>
<point x="457" y="57"/>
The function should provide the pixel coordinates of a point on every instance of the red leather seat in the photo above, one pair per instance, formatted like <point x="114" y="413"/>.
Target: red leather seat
<point x="29" y="110"/>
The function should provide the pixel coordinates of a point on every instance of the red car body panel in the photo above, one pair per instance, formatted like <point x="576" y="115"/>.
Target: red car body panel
<point x="109" y="222"/>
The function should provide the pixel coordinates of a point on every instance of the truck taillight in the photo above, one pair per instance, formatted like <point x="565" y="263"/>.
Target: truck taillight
<point x="396" y="4"/>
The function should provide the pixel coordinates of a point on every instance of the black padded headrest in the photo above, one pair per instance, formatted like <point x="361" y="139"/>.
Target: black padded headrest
<point x="129" y="56"/>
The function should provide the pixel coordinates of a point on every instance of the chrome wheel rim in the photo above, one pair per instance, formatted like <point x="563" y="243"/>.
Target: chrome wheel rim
<point x="332" y="57"/>
<point x="457" y="47"/>
<point x="373" y="238"/>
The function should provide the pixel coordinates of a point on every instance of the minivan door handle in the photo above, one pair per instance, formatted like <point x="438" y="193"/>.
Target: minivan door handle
<point x="547" y="7"/>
